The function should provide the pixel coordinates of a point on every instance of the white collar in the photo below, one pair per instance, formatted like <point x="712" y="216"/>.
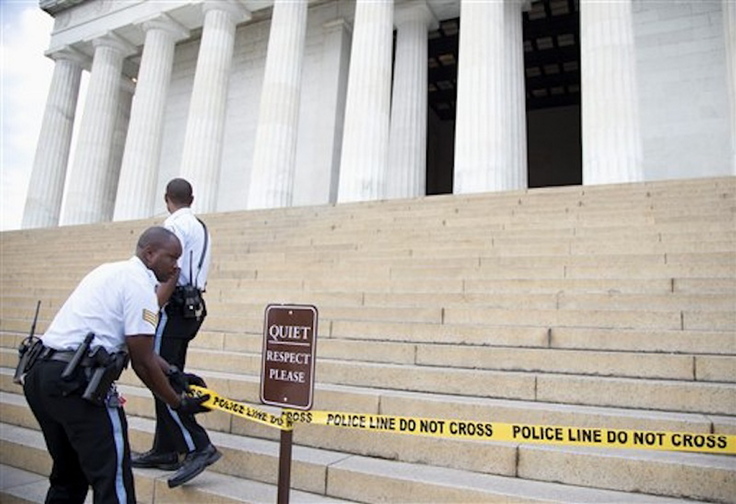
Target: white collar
<point x="182" y="211"/>
<point x="139" y="264"/>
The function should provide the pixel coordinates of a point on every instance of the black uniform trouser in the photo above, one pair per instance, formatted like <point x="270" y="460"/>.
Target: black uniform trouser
<point x="87" y="443"/>
<point x="176" y="432"/>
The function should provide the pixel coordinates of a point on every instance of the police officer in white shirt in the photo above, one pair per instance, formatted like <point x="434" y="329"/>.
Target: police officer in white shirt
<point x="179" y="434"/>
<point x="117" y="307"/>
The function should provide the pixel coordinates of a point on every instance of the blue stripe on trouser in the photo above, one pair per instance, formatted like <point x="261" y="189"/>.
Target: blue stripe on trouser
<point x="163" y="318"/>
<point x="118" y="436"/>
<point x="184" y="432"/>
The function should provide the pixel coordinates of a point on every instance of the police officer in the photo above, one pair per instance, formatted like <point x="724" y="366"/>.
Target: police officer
<point x="117" y="304"/>
<point x="176" y="433"/>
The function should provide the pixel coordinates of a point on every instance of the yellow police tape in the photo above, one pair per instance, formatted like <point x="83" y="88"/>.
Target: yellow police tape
<point x="216" y="401"/>
<point x="480" y="430"/>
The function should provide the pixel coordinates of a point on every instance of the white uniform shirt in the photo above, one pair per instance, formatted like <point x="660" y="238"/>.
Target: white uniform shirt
<point x="112" y="301"/>
<point x="190" y="232"/>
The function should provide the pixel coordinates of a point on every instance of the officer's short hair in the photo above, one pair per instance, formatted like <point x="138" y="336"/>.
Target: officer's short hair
<point x="156" y="236"/>
<point x="179" y="191"/>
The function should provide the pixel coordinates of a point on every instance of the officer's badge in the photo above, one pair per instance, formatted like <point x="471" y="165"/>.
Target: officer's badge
<point x="150" y="317"/>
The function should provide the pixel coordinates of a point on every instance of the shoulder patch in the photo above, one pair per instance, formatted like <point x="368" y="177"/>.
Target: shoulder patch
<point x="150" y="317"/>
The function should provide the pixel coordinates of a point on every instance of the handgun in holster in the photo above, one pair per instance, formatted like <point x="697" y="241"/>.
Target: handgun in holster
<point x="28" y="351"/>
<point x="105" y="369"/>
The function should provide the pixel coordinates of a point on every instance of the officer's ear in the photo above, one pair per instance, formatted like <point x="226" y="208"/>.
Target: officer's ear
<point x="147" y="255"/>
<point x="167" y="199"/>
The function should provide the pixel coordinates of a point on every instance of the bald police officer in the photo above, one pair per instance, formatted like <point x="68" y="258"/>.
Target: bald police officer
<point x="116" y="303"/>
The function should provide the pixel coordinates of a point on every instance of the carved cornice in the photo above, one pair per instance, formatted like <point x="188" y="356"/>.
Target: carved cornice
<point x="53" y="7"/>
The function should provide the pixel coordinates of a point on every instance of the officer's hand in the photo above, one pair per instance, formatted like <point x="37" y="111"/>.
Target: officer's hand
<point x="180" y="381"/>
<point x="190" y="405"/>
<point x="177" y="379"/>
<point x="193" y="379"/>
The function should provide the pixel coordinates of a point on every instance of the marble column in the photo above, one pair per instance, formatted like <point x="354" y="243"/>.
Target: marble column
<point x="202" y="154"/>
<point x="89" y="177"/>
<point x="407" y="166"/>
<point x="46" y="188"/>
<point x="334" y="79"/>
<point x="729" y="31"/>
<point x="364" y="159"/>
<point x="136" y="191"/>
<point x="517" y="166"/>
<point x="274" y="157"/>
<point x="482" y="134"/>
<point x="612" y="151"/>
<point x="117" y="147"/>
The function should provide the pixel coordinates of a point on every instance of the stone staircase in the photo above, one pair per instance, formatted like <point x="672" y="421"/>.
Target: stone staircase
<point x="606" y="306"/>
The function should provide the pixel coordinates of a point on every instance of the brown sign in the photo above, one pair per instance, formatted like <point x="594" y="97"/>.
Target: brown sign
<point x="287" y="362"/>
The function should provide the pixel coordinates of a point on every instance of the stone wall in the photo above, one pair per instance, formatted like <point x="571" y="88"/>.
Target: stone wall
<point x="682" y="88"/>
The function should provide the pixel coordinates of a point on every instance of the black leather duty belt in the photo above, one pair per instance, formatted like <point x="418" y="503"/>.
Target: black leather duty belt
<point x="49" y="354"/>
<point x="61" y="356"/>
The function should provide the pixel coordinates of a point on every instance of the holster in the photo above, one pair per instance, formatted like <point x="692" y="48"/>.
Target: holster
<point x="105" y="370"/>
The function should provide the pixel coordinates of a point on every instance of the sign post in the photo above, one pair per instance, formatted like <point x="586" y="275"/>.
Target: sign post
<point x="284" y="467"/>
<point x="287" y="370"/>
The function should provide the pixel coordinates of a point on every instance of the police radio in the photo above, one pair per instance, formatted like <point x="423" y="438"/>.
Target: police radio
<point x="193" y="305"/>
<point x="28" y="351"/>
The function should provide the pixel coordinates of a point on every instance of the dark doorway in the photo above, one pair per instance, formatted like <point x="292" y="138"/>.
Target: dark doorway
<point x="551" y="32"/>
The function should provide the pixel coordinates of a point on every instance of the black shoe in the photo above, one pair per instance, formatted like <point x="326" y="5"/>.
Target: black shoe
<point x="194" y="463"/>
<point x="152" y="458"/>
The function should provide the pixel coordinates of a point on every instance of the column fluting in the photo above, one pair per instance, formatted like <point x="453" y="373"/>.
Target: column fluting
<point x="407" y="167"/>
<point x="117" y="147"/>
<point x="334" y="80"/>
<point x="481" y="129"/>
<point x="729" y="32"/>
<point x="517" y="162"/>
<point x="364" y="158"/>
<point x="203" y="141"/>
<point x="46" y="187"/>
<point x="612" y="151"/>
<point x="89" y="177"/>
<point x="138" y="174"/>
<point x="274" y="157"/>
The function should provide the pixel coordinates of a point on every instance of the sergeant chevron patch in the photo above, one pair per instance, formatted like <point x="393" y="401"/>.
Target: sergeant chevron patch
<point x="150" y="317"/>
